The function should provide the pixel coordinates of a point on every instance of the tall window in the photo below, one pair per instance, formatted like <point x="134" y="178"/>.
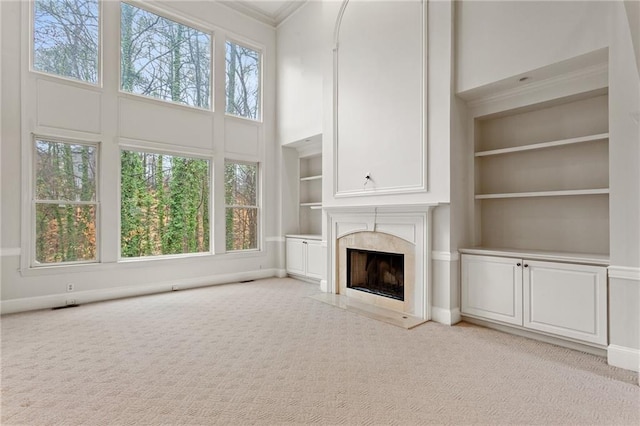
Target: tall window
<point x="241" y="200"/>
<point x="163" y="59"/>
<point x="164" y="204"/>
<point x="65" y="199"/>
<point x="243" y="81"/>
<point x="65" y="38"/>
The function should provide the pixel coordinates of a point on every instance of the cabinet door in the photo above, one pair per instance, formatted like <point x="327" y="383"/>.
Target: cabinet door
<point x="295" y="254"/>
<point x="492" y="288"/>
<point x="315" y="259"/>
<point x="566" y="299"/>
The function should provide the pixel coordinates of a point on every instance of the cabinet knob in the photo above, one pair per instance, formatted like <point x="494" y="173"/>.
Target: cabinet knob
<point x="518" y="264"/>
<point x="526" y="266"/>
<point x="304" y="242"/>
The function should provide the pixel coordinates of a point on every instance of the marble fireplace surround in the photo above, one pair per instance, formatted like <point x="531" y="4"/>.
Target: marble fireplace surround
<point x="402" y="229"/>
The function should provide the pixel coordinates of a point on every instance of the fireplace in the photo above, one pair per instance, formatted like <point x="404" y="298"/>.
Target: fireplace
<point x="376" y="272"/>
<point x="398" y="233"/>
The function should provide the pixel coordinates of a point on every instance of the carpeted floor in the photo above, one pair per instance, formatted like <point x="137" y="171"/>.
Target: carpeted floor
<point x="265" y="353"/>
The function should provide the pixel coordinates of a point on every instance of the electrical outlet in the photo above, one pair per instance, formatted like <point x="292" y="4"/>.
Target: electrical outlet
<point x="70" y="287"/>
<point x="174" y="287"/>
<point x="71" y="302"/>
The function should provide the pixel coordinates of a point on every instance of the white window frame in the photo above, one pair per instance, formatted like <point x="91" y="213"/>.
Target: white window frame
<point x="260" y="51"/>
<point x="152" y="148"/>
<point x="163" y="13"/>
<point x="32" y="50"/>
<point x="257" y="205"/>
<point x="34" y="201"/>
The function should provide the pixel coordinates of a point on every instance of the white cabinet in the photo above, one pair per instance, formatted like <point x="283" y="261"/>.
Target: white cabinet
<point x="492" y="288"/>
<point x="305" y="256"/>
<point x="563" y="299"/>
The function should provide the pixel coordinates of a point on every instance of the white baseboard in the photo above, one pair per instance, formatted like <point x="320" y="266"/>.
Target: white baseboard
<point x="445" y="316"/>
<point x="623" y="357"/>
<point x="324" y="286"/>
<point x="281" y="273"/>
<point x="81" y="297"/>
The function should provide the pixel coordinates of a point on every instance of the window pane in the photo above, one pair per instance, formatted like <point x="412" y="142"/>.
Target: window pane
<point x="164" y="206"/>
<point x="163" y="59"/>
<point x="242" y="228"/>
<point x="65" y="171"/>
<point x="65" y="233"/>
<point x="243" y="81"/>
<point x="240" y="184"/>
<point x="65" y="38"/>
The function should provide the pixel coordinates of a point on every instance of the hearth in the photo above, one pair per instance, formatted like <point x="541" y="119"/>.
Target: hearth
<point x="376" y="272"/>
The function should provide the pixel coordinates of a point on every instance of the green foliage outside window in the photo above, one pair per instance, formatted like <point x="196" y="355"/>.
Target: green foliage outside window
<point x="164" y="204"/>
<point x="65" y="202"/>
<point x="241" y="200"/>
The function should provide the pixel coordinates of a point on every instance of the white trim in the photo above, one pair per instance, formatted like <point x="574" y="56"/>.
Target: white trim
<point x="445" y="256"/>
<point x="274" y="239"/>
<point x="81" y="297"/>
<point x="623" y="357"/>
<point x="445" y="316"/>
<point x="324" y="286"/>
<point x="598" y="73"/>
<point x="11" y="251"/>
<point x="624" y="273"/>
<point x="422" y="186"/>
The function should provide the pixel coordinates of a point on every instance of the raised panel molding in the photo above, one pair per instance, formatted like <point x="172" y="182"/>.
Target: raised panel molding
<point x="241" y="137"/>
<point x="398" y="104"/>
<point x="65" y="106"/>
<point x="175" y="125"/>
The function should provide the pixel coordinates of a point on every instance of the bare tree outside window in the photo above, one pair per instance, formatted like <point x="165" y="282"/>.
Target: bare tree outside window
<point x="164" y="59"/>
<point x="65" y="201"/>
<point x="164" y="204"/>
<point x="241" y="200"/>
<point x="65" y="38"/>
<point x="242" y="81"/>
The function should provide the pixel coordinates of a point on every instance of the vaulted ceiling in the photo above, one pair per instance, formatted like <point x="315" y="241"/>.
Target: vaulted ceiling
<point x="271" y="12"/>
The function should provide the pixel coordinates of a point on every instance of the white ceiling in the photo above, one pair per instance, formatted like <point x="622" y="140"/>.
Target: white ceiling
<point x="272" y="12"/>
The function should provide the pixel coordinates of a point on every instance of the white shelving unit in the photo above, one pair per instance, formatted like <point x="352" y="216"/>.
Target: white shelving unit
<point x="311" y="195"/>
<point x="542" y="219"/>
<point x="542" y="177"/>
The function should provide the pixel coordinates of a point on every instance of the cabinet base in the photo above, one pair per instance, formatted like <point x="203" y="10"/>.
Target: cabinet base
<point x="519" y="331"/>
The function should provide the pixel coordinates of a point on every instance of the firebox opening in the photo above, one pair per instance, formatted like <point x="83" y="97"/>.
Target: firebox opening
<point x="376" y="272"/>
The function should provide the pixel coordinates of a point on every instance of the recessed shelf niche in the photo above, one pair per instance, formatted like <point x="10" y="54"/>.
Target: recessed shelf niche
<point x="542" y="176"/>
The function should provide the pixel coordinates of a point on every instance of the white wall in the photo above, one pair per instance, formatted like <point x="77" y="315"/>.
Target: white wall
<point x="501" y="39"/>
<point x="114" y="118"/>
<point x="300" y="74"/>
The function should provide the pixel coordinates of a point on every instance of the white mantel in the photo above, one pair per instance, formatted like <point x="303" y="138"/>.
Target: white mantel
<point x="411" y="223"/>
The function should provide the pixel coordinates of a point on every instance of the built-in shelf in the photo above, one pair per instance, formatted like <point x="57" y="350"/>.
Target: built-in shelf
<point x="543" y="145"/>
<point x="562" y="193"/>
<point x="308" y="178"/>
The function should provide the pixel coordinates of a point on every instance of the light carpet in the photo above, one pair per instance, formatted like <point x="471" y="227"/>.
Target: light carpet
<point x="265" y="353"/>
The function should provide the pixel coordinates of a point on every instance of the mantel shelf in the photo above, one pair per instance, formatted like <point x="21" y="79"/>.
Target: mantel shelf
<point x="308" y="178"/>
<point x="543" y="145"/>
<point x="544" y="193"/>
